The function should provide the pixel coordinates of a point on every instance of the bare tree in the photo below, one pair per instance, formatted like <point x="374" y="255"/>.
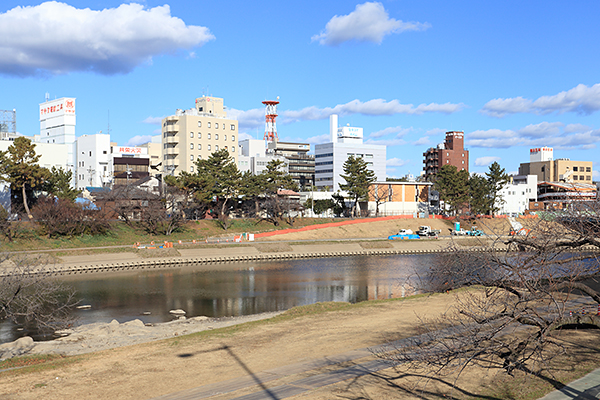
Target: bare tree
<point x="32" y="299"/>
<point x="379" y="194"/>
<point x="523" y="290"/>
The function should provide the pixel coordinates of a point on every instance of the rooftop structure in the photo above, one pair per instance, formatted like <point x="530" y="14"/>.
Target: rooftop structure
<point x="451" y="152"/>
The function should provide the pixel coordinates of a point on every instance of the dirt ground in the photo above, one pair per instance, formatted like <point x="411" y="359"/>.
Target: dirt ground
<point x="383" y="229"/>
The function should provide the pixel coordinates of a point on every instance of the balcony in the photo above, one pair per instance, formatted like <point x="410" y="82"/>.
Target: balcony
<point x="171" y="150"/>
<point x="171" y="139"/>
<point x="172" y="128"/>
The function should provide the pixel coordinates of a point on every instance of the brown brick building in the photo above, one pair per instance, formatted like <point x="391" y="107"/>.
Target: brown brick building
<point x="451" y="152"/>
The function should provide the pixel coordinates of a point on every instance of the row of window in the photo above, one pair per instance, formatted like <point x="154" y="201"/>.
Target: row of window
<point x="360" y="155"/>
<point x="324" y="155"/>
<point x="209" y="148"/>
<point x="208" y="136"/>
<point x="324" y="163"/>
<point x="582" y="177"/>
<point x="208" y="125"/>
<point x="582" y="169"/>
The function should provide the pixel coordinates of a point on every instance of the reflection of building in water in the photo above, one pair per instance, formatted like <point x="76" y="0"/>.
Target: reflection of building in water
<point x="387" y="290"/>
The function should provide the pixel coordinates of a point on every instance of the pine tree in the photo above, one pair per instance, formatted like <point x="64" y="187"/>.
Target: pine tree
<point x="497" y="178"/>
<point x="358" y="178"/>
<point x="19" y="167"/>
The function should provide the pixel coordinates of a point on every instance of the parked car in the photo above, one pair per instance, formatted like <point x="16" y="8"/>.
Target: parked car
<point x="427" y="231"/>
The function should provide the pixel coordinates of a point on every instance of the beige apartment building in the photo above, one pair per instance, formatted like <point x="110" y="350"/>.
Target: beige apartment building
<point x="548" y="169"/>
<point x="196" y="133"/>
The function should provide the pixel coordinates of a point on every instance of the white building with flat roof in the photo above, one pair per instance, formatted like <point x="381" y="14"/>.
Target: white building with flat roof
<point x="94" y="163"/>
<point x="516" y="195"/>
<point x="253" y="157"/>
<point x="345" y="141"/>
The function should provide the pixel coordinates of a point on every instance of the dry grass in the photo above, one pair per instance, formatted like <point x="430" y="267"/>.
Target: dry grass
<point x="376" y="245"/>
<point x="273" y="247"/>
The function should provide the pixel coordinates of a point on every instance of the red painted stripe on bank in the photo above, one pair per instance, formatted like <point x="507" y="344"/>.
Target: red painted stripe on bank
<point x="330" y="225"/>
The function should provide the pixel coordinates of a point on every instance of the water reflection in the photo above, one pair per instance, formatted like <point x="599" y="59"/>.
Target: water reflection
<point x="245" y="288"/>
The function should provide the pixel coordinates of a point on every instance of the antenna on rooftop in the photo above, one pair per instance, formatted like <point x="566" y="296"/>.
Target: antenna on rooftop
<point x="47" y="96"/>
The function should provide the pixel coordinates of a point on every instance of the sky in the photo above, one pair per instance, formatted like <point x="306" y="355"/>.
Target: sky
<point x="513" y="75"/>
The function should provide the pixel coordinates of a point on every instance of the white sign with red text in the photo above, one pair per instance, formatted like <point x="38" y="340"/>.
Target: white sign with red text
<point x="57" y="108"/>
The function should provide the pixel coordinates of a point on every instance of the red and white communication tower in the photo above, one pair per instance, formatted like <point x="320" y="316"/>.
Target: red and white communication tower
<point x="270" y="115"/>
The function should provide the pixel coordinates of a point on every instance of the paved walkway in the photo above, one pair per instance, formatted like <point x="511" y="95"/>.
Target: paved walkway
<point x="586" y="388"/>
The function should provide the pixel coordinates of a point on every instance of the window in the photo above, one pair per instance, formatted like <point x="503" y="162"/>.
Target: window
<point x="104" y="152"/>
<point x="191" y="134"/>
<point x="83" y="164"/>
<point x="192" y="169"/>
<point x="199" y="135"/>
<point x="223" y="125"/>
<point x="232" y="138"/>
<point x="191" y="146"/>
<point x="208" y="136"/>
<point x="199" y="156"/>
<point x="463" y="161"/>
<point x="575" y="169"/>
<point x="226" y="148"/>
<point x="369" y="156"/>
<point x="581" y="177"/>
<point x="90" y="153"/>
<point x="216" y="136"/>
<point x="225" y="137"/>
<point x="232" y="150"/>
<point x="199" y="124"/>
<point x="191" y="157"/>
<point x="216" y="125"/>
<point x="588" y="169"/>
<point x="574" y="177"/>
<point x="232" y="127"/>
<point x="208" y="124"/>
<point x="199" y="146"/>
<point x="447" y="161"/>
<point x="588" y="178"/>
<point x="216" y="147"/>
<point x="208" y="147"/>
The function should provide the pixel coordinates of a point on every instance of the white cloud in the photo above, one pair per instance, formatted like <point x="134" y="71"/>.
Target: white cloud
<point x="250" y="119"/>
<point x="244" y="136"/>
<point x="397" y="130"/>
<point x="581" y="100"/>
<point x="318" y="139"/>
<point x="543" y="134"/>
<point x="485" y="161"/>
<point x="388" y="142"/>
<point x="573" y="128"/>
<point x="373" y="107"/>
<point x="422" y="141"/>
<point x="153" y="120"/>
<point x="369" y="22"/>
<point x="396" y="162"/>
<point x="543" y="129"/>
<point x="139" y="139"/>
<point x="56" y="38"/>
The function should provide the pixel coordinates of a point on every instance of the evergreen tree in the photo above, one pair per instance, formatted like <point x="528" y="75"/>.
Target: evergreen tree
<point x="59" y="184"/>
<point x="220" y="171"/>
<point x="453" y="186"/>
<point x="358" y="178"/>
<point x="479" y="194"/>
<point x="497" y="178"/>
<point x="19" y="167"/>
<point x="273" y="179"/>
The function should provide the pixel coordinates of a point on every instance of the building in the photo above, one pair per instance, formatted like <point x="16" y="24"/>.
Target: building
<point x="345" y="142"/>
<point x="451" y="152"/>
<point x="517" y="195"/>
<point x="154" y="151"/>
<point x="253" y="158"/>
<point x="559" y="195"/>
<point x="301" y="165"/>
<point x="196" y="133"/>
<point x="129" y="164"/>
<point x="94" y="166"/>
<point x="399" y="198"/>
<point x="547" y="169"/>
<point x="57" y="126"/>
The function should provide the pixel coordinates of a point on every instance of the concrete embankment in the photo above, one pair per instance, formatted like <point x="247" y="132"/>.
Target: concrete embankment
<point x="220" y="256"/>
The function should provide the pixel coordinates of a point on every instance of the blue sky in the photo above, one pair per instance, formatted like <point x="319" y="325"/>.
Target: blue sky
<point x="512" y="74"/>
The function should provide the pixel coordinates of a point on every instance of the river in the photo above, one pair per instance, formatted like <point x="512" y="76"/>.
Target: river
<point x="240" y="288"/>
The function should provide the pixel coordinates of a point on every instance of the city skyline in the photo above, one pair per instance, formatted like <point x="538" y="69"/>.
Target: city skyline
<point x="511" y="75"/>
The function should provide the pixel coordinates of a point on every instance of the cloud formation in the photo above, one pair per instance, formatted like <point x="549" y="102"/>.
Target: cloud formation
<point x="369" y="22"/>
<point x="139" y="139"/>
<point x="555" y="134"/>
<point x="485" y="161"/>
<point x="581" y="100"/>
<point x="153" y="120"/>
<point x="396" y="162"/>
<point x="56" y="38"/>
<point x="392" y="130"/>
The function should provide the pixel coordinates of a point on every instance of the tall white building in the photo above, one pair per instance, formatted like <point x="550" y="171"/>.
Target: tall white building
<point x="57" y="125"/>
<point x="345" y="141"/>
<point x="94" y="163"/>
